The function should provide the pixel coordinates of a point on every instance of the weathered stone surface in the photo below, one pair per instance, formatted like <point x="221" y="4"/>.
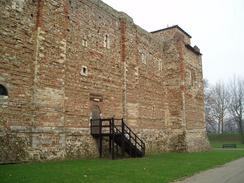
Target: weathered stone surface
<point x="59" y="59"/>
<point x="196" y="140"/>
<point x="14" y="147"/>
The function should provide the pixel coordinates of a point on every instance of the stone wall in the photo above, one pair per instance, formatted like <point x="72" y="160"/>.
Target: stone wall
<point x="61" y="59"/>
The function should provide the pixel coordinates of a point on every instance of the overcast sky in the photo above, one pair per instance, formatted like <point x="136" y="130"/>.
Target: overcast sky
<point x="216" y="27"/>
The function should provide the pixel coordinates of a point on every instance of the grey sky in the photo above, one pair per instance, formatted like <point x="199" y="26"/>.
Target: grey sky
<point x="216" y="26"/>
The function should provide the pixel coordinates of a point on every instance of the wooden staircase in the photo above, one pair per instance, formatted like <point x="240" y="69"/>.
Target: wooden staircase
<point x="122" y="140"/>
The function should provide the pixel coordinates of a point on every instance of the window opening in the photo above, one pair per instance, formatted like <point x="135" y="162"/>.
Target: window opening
<point x="3" y="91"/>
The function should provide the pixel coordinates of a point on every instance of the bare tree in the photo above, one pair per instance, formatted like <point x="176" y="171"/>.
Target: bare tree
<point x="236" y="107"/>
<point x="219" y="102"/>
<point x="230" y="125"/>
<point x="211" y="123"/>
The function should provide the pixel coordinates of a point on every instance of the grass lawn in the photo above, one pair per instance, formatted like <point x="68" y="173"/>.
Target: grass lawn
<point x="161" y="168"/>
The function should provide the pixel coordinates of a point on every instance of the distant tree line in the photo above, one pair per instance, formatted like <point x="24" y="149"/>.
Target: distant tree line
<point x="224" y="106"/>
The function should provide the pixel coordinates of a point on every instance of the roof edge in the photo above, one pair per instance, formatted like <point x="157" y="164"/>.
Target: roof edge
<point x="193" y="49"/>
<point x="174" y="26"/>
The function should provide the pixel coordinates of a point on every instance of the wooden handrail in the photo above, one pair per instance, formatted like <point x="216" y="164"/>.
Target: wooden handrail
<point x="126" y="133"/>
<point x="141" y="144"/>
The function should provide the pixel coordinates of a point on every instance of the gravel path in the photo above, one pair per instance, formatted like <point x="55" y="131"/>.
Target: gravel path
<point x="232" y="172"/>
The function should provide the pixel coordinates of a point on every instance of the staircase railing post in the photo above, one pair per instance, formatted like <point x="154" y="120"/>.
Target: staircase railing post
<point x="123" y="136"/>
<point x="100" y="138"/>
<point x="110" y="137"/>
<point x="135" y="142"/>
<point x="91" y="127"/>
<point x="112" y="126"/>
<point x="144" y="148"/>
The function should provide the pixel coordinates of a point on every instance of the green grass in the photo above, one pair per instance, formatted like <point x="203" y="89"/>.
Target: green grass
<point x="217" y="140"/>
<point x="161" y="168"/>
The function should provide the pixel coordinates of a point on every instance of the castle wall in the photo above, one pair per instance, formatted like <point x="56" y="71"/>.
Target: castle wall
<point x="60" y="59"/>
<point x="195" y="118"/>
<point x="16" y="74"/>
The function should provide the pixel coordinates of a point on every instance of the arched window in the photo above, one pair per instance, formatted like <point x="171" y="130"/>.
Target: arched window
<point x="3" y="91"/>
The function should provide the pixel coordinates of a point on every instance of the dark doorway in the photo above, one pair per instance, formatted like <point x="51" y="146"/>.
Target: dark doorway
<point x="96" y="112"/>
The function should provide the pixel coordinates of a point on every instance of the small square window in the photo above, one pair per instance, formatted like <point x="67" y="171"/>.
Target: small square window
<point x="143" y="58"/>
<point x="84" y="42"/>
<point x="84" y="71"/>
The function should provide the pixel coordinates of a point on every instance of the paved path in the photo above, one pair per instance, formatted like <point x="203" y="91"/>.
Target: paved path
<point x="232" y="172"/>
